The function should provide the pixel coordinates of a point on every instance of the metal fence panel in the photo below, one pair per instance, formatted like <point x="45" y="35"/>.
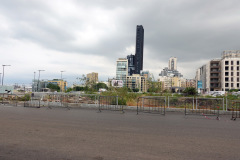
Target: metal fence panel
<point x="151" y="104"/>
<point x="82" y="100"/>
<point x="235" y="107"/>
<point x="113" y="103"/>
<point x="10" y="99"/>
<point x="181" y="102"/>
<point x="35" y="101"/>
<point x="206" y="107"/>
<point x="61" y="100"/>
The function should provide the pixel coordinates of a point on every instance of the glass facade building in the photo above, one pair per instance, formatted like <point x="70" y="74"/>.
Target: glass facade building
<point x="131" y="67"/>
<point x="122" y="70"/>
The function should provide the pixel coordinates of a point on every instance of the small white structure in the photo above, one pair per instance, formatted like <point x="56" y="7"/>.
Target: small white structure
<point x="6" y="89"/>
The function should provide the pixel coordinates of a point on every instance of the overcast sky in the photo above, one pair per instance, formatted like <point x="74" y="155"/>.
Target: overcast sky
<point x="83" y="36"/>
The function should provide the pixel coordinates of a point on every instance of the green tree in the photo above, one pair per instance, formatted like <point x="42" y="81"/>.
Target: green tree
<point x="154" y="86"/>
<point x="69" y="90"/>
<point x="99" y="85"/>
<point x="130" y="90"/>
<point x="233" y="90"/>
<point x="190" y="91"/>
<point x="135" y="90"/>
<point x="83" y="79"/>
<point x="26" y="97"/>
<point x="53" y="87"/>
<point x="78" y="88"/>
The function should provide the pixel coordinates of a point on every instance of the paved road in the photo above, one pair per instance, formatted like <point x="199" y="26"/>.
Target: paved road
<point x="31" y="133"/>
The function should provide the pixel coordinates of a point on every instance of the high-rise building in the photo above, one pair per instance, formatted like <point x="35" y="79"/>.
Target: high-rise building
<point x="139" y="49"/>
<point x="131" y="67"/>
<point x="146" y="74"/>
<point x="190" y="83"/>
<point x="137" y="81"/>
<point x="59" y="82"/>
<point x="172" y="63"/>
<point x="172" y="83"/>
<point x="221" y="74"/>
<point x="122" y="70"/>
<point x="230" y="70"/>
<point x="171" y="70"/>
<point x="92" y="77"/>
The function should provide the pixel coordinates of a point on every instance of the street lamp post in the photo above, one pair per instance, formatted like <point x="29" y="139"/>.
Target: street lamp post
<point x="0" y="77"/>
<point x="62" y="80"/>
<point x="33" y="85"/>
<point x="3" y="73"/>
<point x="39" y="79"/>
<point x="61" y="73"/>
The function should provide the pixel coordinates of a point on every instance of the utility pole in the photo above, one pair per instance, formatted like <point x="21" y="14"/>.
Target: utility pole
<point x="61" y="73"/>
<point x="3" y="73"/>
<point x="33" y="86"/>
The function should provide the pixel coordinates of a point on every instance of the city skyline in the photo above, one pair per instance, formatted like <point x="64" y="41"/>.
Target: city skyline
<point x="89" y="36"/>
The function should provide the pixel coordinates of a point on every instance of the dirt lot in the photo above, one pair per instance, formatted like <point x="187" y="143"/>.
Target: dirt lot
<point x="81" y="134"/>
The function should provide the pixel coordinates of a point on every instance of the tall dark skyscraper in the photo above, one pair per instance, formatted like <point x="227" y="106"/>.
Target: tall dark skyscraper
<point x="135" y="62"/>
<point x="139" y="49"/>
<point x="131" y="64"/>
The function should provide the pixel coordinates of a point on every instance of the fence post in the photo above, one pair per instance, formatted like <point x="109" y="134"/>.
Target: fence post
<point x="165" y="103"/>
<point x="117" y="101"/>
<point x="61" y="98"/>
<point x="196" y="102"/>
<point x="99" y="99"/>
<point x="165" y="107"/>
<point x="95" y="101"/>
<point x="223" y="105"/>
<point x="168" y="101"/>
<point x="226" y="104"/>
<point x="193" y="103"/>
<point x="2" y="99"/>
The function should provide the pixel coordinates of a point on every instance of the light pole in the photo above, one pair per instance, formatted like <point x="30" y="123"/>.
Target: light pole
<point x="62" y="81"/>
<point x="3" y="72"/>
<point x="61" y="73"/>
<point x="0" y="77"/>
<point x="34" y="82"/>
<point x="39" y="78"/>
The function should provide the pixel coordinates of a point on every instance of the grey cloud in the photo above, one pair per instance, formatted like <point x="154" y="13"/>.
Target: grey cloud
<point x="188" y="29"/>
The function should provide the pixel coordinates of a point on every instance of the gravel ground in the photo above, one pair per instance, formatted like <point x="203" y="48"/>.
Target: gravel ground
<point x="85" y="134"/>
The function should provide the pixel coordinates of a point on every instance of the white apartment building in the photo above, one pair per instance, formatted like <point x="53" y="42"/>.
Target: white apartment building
<point x="230" y="70"/>
<point x="220" y="74"/>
